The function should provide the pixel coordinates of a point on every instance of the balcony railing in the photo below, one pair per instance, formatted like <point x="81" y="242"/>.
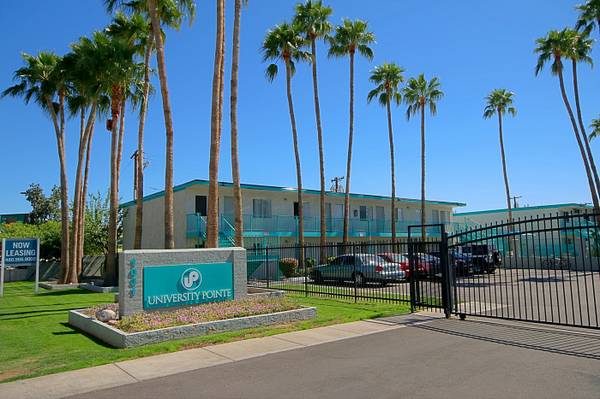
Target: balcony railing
<point x="287" y="226"/>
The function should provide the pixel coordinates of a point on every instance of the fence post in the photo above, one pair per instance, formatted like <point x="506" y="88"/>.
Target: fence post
<point x="412" y="277"/>
<point x="305" y="272"/>
<point x="446" y="275"/>
<point x="354" y="272"/>
<point x="268" y="266"/>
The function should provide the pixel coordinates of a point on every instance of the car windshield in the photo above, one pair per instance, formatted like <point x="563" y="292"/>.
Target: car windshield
<point x="372" y="258"/>
<point x="396" y="258"/>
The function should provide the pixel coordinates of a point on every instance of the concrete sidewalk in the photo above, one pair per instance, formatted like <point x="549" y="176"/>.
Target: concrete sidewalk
<point x="136" y="370"/>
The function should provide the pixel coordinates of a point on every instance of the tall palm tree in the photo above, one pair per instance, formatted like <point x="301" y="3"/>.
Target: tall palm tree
<point x="595" y="127"/>
<point x="284" y="43"/>
<point x="212" y="220"/>
<point x="581" y="47"/>
<point x="589" y="16"/>
<point x="235" y="164"/>
<point x="350" y="37"/>
<point x="418" y="95"/>
<point x="312" y="19"/>
<point x="41" y="80"/>
<point x="500" y="102"/>
<point x="387" y="78"/>
<point x="553" y="48"/>
<point x="169" y="13"/>
<point x="137" y="30"/>
<point x="119" y="70"/>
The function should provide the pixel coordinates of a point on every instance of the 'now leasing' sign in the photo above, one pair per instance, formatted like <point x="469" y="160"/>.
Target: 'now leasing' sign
<point x="185" y="285"/>
<point x="20" y="252"/>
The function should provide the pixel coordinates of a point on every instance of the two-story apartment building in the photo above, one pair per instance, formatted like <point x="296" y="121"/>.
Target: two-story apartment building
<point x="270" y="215"/>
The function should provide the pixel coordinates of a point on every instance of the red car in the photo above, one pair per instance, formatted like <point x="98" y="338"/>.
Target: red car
<point x="402" y="261"/>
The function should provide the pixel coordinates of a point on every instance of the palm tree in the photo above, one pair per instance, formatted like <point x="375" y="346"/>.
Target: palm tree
<point x="119" y="72"/>
<point x="212" y="220"/>
<point x="500" y="102"/>
<point x="137" y="30"/>
<point x="42" y="80"/>
<point x="581" y="47"/>
<point x="589" y="16"/>
<point x="595" y="127"/>
<point x="387" y="78"/>
<point x="552" y="48"/>
<point x="235" y="165"/>
<point x="418" y="95"/>
<point x="284" y="43"/>
<point x="312" y="19"/>
<point x="350" y="37"/>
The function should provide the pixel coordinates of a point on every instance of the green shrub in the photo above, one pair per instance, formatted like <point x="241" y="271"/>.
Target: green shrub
<point x="331" y="259"/>
<point x="310" y="262"/>
<point x="288" y="266"/>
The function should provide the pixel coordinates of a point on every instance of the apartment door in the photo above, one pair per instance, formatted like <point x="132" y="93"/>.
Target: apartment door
<point x="228" y="209"/>
<point x="379" y="218"/>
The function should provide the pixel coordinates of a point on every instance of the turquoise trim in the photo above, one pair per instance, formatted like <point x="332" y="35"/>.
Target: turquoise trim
<point x="198" y="182"/>
<point x="525" y="208"/>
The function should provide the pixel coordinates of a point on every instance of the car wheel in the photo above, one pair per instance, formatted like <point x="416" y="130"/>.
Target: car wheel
<point x="359" y="279"/>
<point x="317" y="277"/>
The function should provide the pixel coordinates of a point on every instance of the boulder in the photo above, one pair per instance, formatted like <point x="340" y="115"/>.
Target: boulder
<point x="106" y="315"/>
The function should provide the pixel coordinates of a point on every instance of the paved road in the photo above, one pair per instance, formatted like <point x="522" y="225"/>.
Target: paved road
<point x="440" y="359"/>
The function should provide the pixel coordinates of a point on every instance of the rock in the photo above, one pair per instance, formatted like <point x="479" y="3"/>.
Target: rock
<point x="106" y="315"/>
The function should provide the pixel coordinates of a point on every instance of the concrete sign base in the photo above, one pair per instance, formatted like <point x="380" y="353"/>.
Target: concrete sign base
<point x="165" y="279"/>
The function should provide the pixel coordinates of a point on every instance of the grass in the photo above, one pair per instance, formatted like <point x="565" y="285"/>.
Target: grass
<point x="35" y="338"/>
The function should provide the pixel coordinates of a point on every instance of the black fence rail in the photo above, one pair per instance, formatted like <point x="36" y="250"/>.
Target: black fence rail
<point x="376" y="271"/>
<point x="542" y="269"/>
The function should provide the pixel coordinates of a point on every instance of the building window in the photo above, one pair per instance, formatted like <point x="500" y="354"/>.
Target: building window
<point x="261" y="208"/>
<point x="399" y="215"/>
<point x="363" y="212"/>
<point x="444" y="217"/>
<point x="201" y="205"/>
<point x="435" y="216"/>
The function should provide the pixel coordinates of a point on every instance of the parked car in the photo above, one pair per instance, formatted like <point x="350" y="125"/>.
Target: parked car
<point x="360" y="268"/>
<point x="427" y="265"/>
<point x="402" y="261"/>
<point x="484" y="258"/>
<point x="461" y="263"/>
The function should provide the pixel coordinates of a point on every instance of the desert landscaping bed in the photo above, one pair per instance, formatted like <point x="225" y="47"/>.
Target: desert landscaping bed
<point x="151" y="327"/>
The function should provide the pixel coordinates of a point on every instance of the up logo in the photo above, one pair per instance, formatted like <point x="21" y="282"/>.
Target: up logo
<point x="191" y="279"/>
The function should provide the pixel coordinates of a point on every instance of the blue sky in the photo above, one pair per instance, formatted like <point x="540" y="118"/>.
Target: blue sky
<point x="472" y="46"/>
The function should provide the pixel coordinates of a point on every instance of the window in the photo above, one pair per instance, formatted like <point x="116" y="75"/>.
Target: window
<point x="261" y="208"/>
<point x="435" y="216"/>
<point x="201" y="205"/>
<point x="399" y="215"/>
<point x="306" y="209"/>
<point x="363" y="212"/>
<point x="444" y="217"/>
<point x="228" y="205"/>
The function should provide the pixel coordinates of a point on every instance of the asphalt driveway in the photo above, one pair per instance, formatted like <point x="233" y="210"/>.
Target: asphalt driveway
<point x="439" y="359"/>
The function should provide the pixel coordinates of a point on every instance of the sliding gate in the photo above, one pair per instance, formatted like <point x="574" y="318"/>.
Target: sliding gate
<point x="543" y="269"/>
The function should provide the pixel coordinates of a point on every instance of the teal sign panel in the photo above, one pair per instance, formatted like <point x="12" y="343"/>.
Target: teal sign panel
<point x="185" y="285"/>
<point x="20" y="252"/>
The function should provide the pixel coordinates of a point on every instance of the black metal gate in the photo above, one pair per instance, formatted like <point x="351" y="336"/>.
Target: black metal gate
<point x="541" y="269"/>
<point x="430" y="275"/>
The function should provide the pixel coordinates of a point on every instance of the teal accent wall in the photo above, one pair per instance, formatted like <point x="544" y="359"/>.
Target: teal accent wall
<point x="185" y="285"/>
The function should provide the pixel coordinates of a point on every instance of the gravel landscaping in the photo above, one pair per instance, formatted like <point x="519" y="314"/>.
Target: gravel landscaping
<point x="196" y="314"/>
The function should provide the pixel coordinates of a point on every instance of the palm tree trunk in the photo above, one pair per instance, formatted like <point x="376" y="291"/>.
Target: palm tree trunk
<point x="504" y="172"/>
<point x="111" y="260"/>
<point x="235" y="165"/>
<point x="212" y="220"/>
<point x="75" y="236"/>
<point x="139" y="184"/>
<point x="586" y="141"/>
<point x="162" y="75"/>
<point x="288" y="76"/>
<point x="423" y="232"/>
<point x="64" y="188"/>
<point x="323" y="225"/>
<point x="120" y="140"/>
<point x="349" y="159"/>
<point x="578" y="138"/>
<point x="84" y="199"/>
<point x="392" y="165"/>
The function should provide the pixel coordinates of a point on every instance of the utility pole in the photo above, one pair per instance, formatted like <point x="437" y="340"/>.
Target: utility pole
<point x="134" y="156"/>
<point x="515" y="205"/>
<point x="336" y="187"/>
